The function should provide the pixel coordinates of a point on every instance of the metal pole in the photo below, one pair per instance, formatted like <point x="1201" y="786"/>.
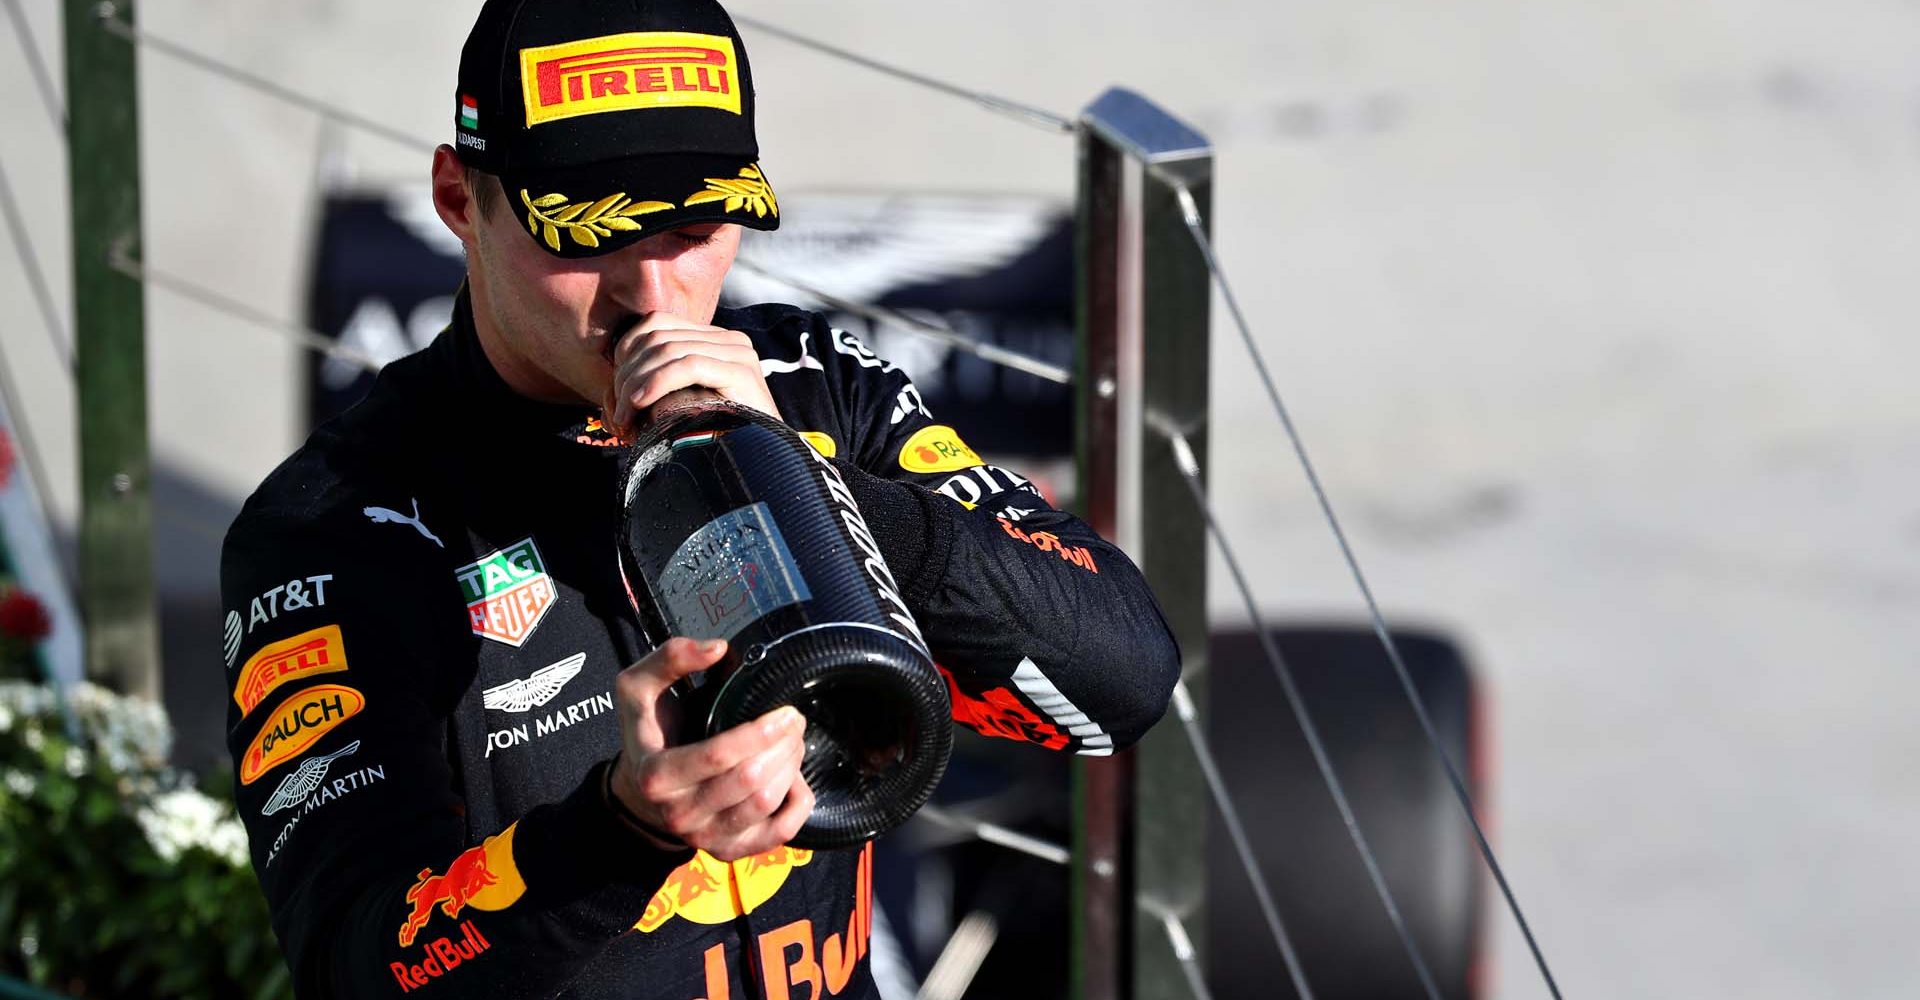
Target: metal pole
<point x="116" y="516"/>
<point x="1144" y="301"/>
<point x="1102" y="786"/>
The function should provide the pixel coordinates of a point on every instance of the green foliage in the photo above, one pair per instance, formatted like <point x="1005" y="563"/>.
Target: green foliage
<point x="118" y="879"/>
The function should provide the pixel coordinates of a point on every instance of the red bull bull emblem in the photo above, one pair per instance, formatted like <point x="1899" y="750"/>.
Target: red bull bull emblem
<point x="1000" y="713"/>
<point x="707" y="890"/>
<point x="789" y="957"/>
<point x="483" y="877"/>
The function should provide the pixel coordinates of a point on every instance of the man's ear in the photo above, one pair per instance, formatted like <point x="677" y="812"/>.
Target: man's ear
<point x="451" y="198"/>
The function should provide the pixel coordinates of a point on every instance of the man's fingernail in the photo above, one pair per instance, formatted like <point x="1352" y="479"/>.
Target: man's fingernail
<point x="780" y="720"/>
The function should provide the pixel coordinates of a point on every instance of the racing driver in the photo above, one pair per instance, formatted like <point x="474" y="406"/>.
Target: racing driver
<point x="445" y="717"/>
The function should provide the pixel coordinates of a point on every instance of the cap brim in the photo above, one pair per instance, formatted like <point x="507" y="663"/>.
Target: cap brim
<point x="599" y="208"/>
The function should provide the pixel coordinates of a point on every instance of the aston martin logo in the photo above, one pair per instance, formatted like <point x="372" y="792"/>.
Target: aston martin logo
<point x="536" y="690"/>
<point x="295" y="787"/>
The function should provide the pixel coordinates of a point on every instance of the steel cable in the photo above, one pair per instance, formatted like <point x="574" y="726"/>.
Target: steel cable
<point x="36" y="279"/>
<point x="42" y="78"/>
<point x="1190" y="210"/>
<point x="993" y="833"/>
<point x="56" y="335"/>
<point x="952" y="338"/>
<point x="1190" y="471"/>
<point x="1183" y="949"/>
<point x="1183" y="707"/>
<point x="126" y="264"/>
<point x="1037" y="117"/>
<point x="138" y="36"/>
<point x="987" y="352"/>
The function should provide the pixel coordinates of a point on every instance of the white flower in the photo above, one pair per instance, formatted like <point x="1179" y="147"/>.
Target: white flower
<point x="185" y="818"/>
<point x="75" y="762"/>
<point x="20" y="783"/>
<point x="34" y="738"/>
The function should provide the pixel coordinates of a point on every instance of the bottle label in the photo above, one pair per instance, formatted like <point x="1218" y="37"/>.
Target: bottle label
<point x="727" y="574"/>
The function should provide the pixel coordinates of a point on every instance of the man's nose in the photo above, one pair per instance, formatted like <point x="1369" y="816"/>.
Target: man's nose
<point x="649" y="284"/>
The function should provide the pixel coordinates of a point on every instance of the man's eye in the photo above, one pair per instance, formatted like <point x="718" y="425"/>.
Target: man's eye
<point x="694" y="239"/>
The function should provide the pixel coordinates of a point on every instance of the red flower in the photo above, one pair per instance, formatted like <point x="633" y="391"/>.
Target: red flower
<point x="22" y="616"/>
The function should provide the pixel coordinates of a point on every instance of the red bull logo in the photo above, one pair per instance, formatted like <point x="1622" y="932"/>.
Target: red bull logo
<point x="707" y="890"/>
<point x="1047" y="541"/>
<point x="483" y="877"/>
<point x="626" y="72"/>
<point x="442" y="955"/>
<point x="1000" y="713"/>
<point x="792" y="956"/>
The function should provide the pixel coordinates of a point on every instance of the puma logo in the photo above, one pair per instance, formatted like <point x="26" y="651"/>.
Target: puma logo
<point x="382" y="515"/>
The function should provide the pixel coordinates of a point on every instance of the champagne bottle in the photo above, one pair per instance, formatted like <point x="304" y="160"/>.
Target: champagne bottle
<point x="736" y="528"/>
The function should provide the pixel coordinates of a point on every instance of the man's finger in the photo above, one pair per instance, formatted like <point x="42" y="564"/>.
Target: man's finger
<point x="652" y="326"/>
<point x="775" y="830"/>
<point x="647" y="679"/>
<point x="662" y="351"/>
<point x="767" y="774"/>
<point x="679" y="770"/>
<point x="786" y="823"/>
<point x="694" y="369"/>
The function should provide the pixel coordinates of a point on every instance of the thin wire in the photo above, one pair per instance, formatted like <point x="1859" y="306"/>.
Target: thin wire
<point x="880" y="314"/>
<point x="259" y="83"/>
<point x="1037" y="117"/>
<point x="1190" y="209"/>
<point x="36" y="279"/>
<point x="994" y="833"/>
<point x="988" y="352"/>
<point x="121" y="261"/>
<point x="16" y="407"/>
<point x="1242" y="846"/>
<point x="1190" y="471"/>
<point x="42" y="79"/>
<point x="1182" y="944"/>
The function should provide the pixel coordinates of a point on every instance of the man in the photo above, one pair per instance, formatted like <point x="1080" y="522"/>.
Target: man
<point x="445" y="717"/>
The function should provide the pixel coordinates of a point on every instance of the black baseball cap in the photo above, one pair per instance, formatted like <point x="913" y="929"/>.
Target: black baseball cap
<point x="611" y="120"/>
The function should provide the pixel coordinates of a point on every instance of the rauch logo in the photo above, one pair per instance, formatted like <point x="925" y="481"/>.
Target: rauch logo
<point x="297" y="724"/>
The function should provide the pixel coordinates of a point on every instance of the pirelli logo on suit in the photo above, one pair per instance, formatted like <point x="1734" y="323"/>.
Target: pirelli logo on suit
<point x="309" y="654"/>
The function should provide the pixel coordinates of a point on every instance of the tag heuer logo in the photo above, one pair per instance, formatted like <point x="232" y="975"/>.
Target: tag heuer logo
<point x="507" y="593"/>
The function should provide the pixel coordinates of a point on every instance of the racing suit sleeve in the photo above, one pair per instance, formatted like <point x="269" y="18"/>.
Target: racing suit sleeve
<point x="1045" y="631"/>
<point x="343" y="684"/>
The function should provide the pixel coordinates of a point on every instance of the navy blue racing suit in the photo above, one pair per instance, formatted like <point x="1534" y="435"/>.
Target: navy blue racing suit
<point x="424" y="619"/>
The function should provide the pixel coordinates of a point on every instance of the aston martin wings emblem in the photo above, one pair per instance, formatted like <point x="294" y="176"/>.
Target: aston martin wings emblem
<point x="535" y="690"/>
<point x="295" y="787"/>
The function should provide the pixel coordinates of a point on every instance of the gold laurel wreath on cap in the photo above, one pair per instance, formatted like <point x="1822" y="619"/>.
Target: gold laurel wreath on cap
<point x="585" y="221"/>
<point x="750" y="190"/>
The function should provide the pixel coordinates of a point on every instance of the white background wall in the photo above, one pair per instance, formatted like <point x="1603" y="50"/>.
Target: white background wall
<point x="1597" y="317"/>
